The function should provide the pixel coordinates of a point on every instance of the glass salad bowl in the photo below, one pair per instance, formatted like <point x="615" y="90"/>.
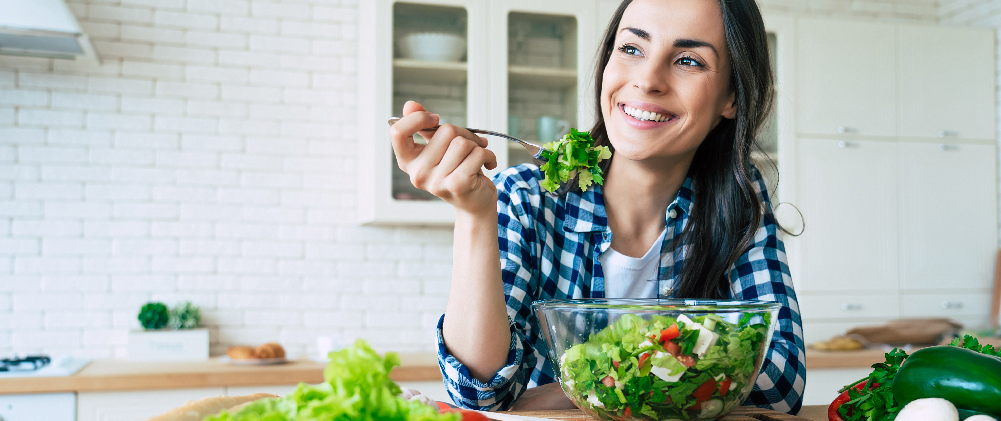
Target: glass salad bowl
<point x="656" y="359"/>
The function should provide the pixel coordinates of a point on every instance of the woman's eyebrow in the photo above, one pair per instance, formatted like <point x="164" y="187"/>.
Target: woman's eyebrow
<point x="694" y="43"/>
<point x="638" y="32"/>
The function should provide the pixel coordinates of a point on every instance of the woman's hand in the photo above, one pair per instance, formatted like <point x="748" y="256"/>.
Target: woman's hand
<point x="547" y="396"/>
<point x="450" y="165"/>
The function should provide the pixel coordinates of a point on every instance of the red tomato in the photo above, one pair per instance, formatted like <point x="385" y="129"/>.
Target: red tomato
<point x="616" y="364"/>
<point x="704" y="392"/>
<point x="832" y="410"/>
<point x="643" y="357"/>
<point x="627" y="412"/>
<point x="687" y="360"/>
<point x="608" y="381"/>
<point x="670" y="333"/>
<point x="672" y="348"/>
<point x="724" y="387"/>
<point x="467" y="415"/>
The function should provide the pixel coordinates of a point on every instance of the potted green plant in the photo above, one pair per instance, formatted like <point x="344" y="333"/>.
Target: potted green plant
<point x="169" y="334"/>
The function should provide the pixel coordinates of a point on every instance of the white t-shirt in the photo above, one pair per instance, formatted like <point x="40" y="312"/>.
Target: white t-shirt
<point x="632" y="277"/>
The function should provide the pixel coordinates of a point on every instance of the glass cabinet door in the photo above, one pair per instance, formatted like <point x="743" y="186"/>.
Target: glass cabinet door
<point x="542" y="79"/>
<point x="430" y="67"/>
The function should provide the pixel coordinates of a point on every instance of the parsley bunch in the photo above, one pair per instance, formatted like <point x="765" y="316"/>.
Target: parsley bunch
<point x="875" y="401"/>
<point x="573" y="155"/>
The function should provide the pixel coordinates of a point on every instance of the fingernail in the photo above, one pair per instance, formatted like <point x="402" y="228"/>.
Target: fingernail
<point x="436" y="116"/>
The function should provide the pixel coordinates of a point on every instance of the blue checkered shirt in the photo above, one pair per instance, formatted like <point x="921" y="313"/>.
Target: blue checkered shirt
<point x="549" y="248"/>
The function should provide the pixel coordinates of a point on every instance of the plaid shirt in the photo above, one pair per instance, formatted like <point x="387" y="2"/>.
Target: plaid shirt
<point x="549" y="248"/>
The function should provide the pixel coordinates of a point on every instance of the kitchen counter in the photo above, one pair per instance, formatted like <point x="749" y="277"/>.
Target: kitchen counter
<point x="121" y="375"/>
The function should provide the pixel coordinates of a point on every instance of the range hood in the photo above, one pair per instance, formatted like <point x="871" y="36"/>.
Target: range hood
<point x="42" y="28"/>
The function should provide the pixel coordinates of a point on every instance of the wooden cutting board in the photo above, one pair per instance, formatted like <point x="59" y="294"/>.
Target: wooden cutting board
<point x="744" y="413"/>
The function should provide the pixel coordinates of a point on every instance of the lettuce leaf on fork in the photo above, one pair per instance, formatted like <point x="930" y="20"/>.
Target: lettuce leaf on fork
<point x="573" y="155"/>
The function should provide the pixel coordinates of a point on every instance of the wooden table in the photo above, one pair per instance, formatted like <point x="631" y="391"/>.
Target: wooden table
<point x="744" y="413"/>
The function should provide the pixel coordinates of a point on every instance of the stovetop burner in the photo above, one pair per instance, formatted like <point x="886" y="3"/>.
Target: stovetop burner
<point x="28" y="363"/>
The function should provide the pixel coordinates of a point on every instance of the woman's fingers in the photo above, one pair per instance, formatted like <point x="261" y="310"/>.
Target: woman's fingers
<point x="402" y="135"/>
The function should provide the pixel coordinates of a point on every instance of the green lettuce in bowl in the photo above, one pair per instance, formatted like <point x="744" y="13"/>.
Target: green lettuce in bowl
<point x="650" y="359"/>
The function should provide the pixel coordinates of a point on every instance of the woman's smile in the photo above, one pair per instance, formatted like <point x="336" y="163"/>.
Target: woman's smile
<point x="645" y="116"/>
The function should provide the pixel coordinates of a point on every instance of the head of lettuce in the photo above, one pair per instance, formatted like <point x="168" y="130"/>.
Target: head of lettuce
<point x="357" y="387"/>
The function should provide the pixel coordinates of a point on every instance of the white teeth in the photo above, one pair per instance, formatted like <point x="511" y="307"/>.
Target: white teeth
<point x="644" y="115"/>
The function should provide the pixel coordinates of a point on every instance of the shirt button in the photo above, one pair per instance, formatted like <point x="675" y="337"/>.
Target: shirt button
<point x="673" y="214"/>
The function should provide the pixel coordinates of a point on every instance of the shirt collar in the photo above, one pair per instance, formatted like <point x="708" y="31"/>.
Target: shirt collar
<point x="585" y="211"/>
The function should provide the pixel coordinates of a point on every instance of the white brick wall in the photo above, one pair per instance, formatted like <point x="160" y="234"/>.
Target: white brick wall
<point x="986" y="13"/>
<point x="210" y="158"/>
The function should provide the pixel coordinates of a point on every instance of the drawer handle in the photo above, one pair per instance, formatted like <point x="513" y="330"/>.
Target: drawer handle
<point x="948" y="133"/>
<point x="952" y="304"/>
<point x="844" y="145"/>
<point x="945" y="148"/>
<point x="847" y="130"/>
<point x="851" y="306"/>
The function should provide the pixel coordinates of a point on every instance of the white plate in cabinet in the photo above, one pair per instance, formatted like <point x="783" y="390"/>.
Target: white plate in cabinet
<point x="849" y="306"/>
<point x="845" y="78"/>
<point x="946" y="99"/>
<point x="847" y="193"/>
<point x="918" y="305"/>
<point x="948" y="215"/>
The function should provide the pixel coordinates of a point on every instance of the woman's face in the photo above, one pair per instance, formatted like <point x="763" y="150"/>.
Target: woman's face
<point x="667" y="82"/>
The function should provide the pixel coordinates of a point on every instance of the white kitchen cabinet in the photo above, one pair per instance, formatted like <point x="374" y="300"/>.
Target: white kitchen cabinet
<point x="943" y="76"/>
<point x="847" y="194"/>
<point x="845" y="78"/>
<point x="38" y="407"/>
<point x="948" y="215"/>
<point x="523" y="58"/>
<point x="136" y="405"/>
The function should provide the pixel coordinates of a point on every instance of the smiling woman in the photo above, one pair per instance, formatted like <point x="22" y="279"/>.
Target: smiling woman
<point x="682" y="89"/>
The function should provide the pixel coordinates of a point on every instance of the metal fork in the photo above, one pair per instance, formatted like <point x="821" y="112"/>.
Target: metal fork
<point x="532" y="148"/>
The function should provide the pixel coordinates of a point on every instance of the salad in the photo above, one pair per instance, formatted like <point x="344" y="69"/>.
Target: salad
<point x="665" y="368"/>
<point x="573" y="155"/>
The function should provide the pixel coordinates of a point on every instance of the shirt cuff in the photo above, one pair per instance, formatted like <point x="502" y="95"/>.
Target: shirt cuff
<point x="457" y="373"/>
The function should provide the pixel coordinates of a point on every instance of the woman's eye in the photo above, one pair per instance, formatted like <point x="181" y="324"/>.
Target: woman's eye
<point x="630" y="50"/>
<point x="689" y="61"/>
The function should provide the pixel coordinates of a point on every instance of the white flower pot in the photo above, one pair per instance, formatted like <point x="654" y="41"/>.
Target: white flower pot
<point x="168" y="344"/>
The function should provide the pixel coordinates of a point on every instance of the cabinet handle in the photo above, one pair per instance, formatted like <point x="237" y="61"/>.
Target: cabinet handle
<point x="851" y="306"/>
<point x="952" y="304"/>
<point x="948" y="133"/>
<point x="944" y="148"/>
<point x="846" y="130"/>
<point x="844" y="145"/>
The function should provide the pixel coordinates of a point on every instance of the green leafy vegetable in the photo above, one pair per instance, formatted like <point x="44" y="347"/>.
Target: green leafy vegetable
<point x="153" y="315"/>
<point x="185" y="316"/>
<point x="648" y="367"/>
<point x="573" y="155"/>
<point x="876" y="402"/>
<point x="357" y="387"/>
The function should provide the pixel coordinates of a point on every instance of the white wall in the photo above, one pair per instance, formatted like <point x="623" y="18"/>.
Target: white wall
<point x="211" y="157"/>
<point x="986" y="13"/>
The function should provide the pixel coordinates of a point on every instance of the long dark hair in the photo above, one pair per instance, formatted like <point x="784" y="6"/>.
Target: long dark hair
<point x="726" y="210"/>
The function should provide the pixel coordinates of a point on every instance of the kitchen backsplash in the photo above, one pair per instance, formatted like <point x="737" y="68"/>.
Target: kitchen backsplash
<point x="212" y="158"/>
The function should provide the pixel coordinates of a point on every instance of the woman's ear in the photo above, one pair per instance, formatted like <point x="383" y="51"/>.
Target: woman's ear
<point x="730" y="109"/>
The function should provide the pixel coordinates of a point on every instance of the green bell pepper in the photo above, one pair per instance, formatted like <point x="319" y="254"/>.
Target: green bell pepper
<point x="968" y="379"/>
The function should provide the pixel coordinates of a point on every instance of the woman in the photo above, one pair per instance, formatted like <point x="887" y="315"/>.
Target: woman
<point x="682" y="86"/>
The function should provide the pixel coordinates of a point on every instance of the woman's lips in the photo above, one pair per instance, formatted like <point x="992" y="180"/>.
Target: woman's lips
<point x="644" y="124"/>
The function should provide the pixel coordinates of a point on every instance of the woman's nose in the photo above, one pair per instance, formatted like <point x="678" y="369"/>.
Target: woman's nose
<point x="651" y="78"/>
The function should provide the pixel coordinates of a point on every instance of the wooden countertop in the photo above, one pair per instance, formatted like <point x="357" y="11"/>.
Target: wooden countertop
<point x="117" y="375"/>
<point x="112" y="375"/>
<point x="743" y="413"/>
